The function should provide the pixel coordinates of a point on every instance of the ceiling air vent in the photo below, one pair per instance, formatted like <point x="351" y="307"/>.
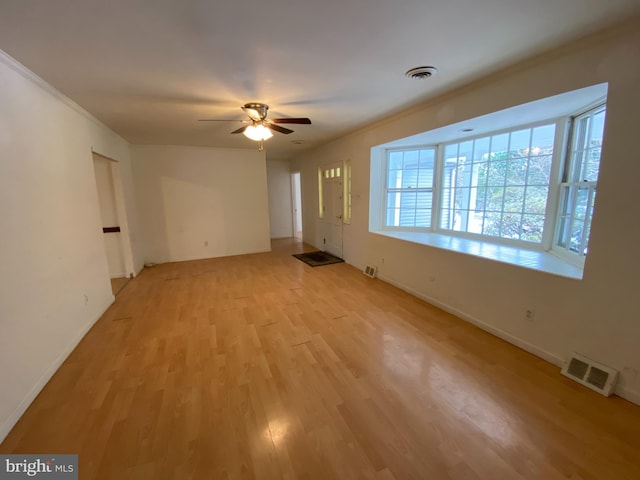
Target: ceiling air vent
<point x="420" y="73"/>
<point x="591" y="374"/>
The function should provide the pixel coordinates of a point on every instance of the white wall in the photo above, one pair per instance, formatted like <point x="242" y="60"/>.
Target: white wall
<point x="198" y="202"/>
<point x="55" y="280"/>
<point x="596" y="316"/>
<point x="280" y="206"/>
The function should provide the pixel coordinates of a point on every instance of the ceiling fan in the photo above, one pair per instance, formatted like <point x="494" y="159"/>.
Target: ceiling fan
<point x="258" y="127"/>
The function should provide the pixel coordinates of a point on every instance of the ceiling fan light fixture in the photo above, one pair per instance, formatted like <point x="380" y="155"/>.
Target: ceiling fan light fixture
<point x="257" y="132"/>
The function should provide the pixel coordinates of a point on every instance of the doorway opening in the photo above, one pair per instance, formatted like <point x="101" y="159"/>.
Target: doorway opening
<point x="113" y="216"/>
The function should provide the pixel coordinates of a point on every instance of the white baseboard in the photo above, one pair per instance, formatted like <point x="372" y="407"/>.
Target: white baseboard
<point x="506" y="336"/>
<point x="11" y="421"/>
<point x="623" y="392"/>
<point x="628" y="394"/>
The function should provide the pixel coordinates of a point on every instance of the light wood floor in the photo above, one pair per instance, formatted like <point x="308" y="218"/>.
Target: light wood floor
<point x="259" y="366"/>
<point x="118" y="284"/>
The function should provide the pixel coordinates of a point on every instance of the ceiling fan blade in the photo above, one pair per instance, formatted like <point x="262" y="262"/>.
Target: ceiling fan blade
<point x="301" y="121"/>
<point x="277" y="128"/>
<point x="240" y="130"/>
<point x="217" y="120"/>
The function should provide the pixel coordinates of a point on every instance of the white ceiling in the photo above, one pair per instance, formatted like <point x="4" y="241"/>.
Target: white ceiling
<point x="149" y="69"/>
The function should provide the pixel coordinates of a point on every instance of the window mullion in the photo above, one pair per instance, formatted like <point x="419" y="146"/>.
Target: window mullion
<point x="486" y="182"/>
<point x="554" y="196"/>
<point x="436" y="199"/>
<point x="504" y="185"/>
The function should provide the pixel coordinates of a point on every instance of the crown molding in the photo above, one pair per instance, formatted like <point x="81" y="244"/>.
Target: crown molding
<point x="27" y="74"/>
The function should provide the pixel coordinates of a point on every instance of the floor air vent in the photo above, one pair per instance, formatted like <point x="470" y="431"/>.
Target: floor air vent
<point x="370" y="271"/>
<point x="591" y="374"/>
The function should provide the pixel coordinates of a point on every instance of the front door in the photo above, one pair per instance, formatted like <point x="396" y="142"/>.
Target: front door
<point x="333" y="208"/>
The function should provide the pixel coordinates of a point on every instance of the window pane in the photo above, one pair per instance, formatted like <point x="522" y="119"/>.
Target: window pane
<point x="427" y="158"/>
<point x="394" y="179"/>
<point x="393" y="200"/>
<point x="591" y="165"/>
<point x="491" y="225"/>
<point x="497" y="171"/>
<point x="475" y="221"/>
<point x="481" y="150"/>
<point x="462" y="197"/>
<point x="532" y="227"/>
<point x="410" y="178"/>
<point x="481" y="198"/>
<point x="407" y="218"/>
<point x="597" y="128"/>
<point x="577" y="230"/>
<point x="395" y="160"/>
<point x="451" y="152"/>
<point x="393" y="217"/>
<point x="494" y="199"/>
<point x="425" y="178"/>
<point x="542" y="140"/>
<point x="423" y="218"/>
<point x="539" y="172"/>
<point x="536" y="200"/>
<point x="581" y="200"/>
<point x="411" y="159"/>
<point x="423" y="200"/>
<point x="517" y="171"/>
<point x="466" y="150"/>
<point x="408" y="200"/>
<point x="510" y="224"/>
<point x="514" y="199"/>
<point x="499" y="145"/>
<point x="519" y="145"/>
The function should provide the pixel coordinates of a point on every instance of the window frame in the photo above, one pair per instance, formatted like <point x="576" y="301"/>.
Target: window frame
<point x="566" y="181"/>
<point x="385" y="187"/>
<point x="557" y="164"/>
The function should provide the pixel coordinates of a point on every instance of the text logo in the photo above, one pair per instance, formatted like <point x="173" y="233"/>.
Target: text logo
<point x="50" y="467"/>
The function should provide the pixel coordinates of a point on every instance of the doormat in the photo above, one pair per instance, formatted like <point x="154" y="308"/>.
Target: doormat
<point x="318" y="259"/>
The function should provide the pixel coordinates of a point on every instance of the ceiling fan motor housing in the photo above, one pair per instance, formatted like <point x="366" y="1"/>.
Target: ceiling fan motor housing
<point x="259" y="108"/>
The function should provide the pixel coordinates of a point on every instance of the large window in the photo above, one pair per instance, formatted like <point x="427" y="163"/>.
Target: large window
<point x="498" y="185"/>
<point x="578" y="188"/>
<point x="525" y="186"/>
<point x="410" y="187"/>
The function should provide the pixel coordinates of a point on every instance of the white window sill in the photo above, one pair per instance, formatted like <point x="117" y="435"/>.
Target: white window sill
<point x="521" y="257"/>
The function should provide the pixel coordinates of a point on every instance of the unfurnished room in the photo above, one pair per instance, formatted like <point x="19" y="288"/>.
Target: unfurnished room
<point x="319" y="240"/>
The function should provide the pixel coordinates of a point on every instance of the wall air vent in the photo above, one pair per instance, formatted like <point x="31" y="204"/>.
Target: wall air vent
<point x="370" y="271"/>
<point x="591" y="374"/>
